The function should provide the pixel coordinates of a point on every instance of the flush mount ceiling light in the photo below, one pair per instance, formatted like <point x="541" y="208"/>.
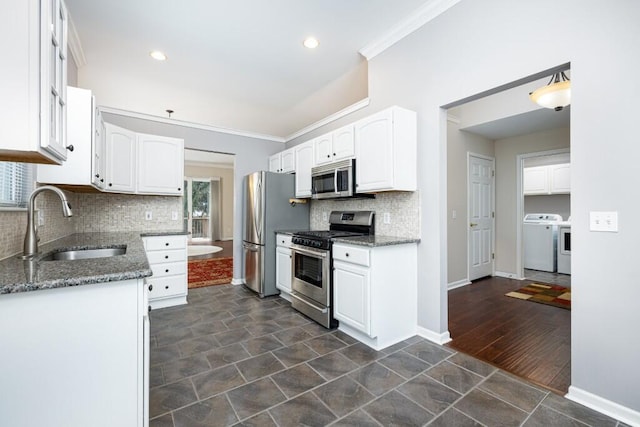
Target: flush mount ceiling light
<point x="311" y="42"/>
<point x="556" y="94"/>
<point x="158" y="55"/>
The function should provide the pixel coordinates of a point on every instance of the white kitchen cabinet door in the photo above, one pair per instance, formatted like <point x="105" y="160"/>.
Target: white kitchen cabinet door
<point x="352" y="295"/>
<point x="535" y="180"/>
<point x="386" y="148"/>
<point x="283" y="269"/>
<point x="323" y="148"/>
<point x="288" y="161"/>
<point x="76" y="170"/>
<point x="275" y="163"/>
<point x="120" y="170"/>
<point x="560" y="178"/>
<point x="343" y="143"/>
<point x="98" y="159"/>
<point x="34" y="81"/>
<point x="160" y="165"/>
<point x="304" y="163"/>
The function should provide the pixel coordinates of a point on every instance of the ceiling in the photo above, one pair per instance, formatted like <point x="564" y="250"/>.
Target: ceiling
<point x="235" y="64"/>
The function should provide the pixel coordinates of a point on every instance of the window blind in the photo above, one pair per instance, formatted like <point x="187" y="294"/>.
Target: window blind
<point x="16" y="184"/>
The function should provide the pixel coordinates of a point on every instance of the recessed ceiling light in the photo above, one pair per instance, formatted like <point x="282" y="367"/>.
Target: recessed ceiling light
<point x="157" y="55"/>
<point x="311" y="42"/>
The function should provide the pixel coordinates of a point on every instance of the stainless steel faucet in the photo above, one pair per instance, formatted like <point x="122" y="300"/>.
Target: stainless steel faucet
<point x="31" y="237"/>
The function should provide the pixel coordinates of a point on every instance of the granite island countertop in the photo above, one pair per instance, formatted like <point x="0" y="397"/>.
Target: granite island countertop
<point x="290" y="232"/>
<point x="17" y="275"/>
<point x="376" y="240"/>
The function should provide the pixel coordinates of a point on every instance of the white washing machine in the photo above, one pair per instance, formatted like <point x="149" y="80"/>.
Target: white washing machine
<point x="540" y="235"/>
<point x="564" y="247"/>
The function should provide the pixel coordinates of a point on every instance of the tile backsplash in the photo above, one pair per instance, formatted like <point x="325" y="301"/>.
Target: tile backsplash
<point x="91" y="212"/>
<point x="403" y="209"/>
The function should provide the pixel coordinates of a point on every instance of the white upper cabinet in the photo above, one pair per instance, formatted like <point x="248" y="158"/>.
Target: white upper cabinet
<point x="120" y="176"/>
<point x="304" y="163"/>
<point x="551" y="179"/>
<point x="143" y="164"/>
<point x="33" y="37"/>
<point x="76" y="170"/>
<point x="335" y="146"/>
<point x="98" y="155"/>
<point x="155" y="174"/>
<point x="283" y="162"/>
<point x="386" y="151"/>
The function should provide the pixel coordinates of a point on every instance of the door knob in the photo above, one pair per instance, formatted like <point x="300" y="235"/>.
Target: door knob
<point x="473" y="224"/>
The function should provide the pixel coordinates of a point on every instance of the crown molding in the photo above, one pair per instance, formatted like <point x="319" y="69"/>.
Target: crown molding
<point x="333" y="117"/>
<point x="420" y="17"/>
<point x="74" y="45"/>
<point x="192" y="125"/>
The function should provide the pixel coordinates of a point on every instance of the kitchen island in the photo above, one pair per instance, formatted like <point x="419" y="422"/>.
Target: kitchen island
<point x="75" y="335"/>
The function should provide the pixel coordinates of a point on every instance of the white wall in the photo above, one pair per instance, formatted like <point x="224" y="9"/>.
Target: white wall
<point x="479" y="45"/>
<point x="251" y="155"/>
<point x="552" y="203"/>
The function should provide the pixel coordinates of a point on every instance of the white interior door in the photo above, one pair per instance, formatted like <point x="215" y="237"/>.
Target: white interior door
<point x="481" y="216"/>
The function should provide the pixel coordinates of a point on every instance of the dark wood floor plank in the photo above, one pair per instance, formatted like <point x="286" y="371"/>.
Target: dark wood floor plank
<point x="527" y="339"/>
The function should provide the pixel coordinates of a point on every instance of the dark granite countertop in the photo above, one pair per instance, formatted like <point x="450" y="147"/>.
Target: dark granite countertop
<point x="290" y="232"/>
<point x="376" y="240"/>
<point x="17" y="275"/>
<point x="164" y="233"/>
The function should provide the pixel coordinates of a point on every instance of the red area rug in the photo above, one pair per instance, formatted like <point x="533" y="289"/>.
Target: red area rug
<point x="209" y="272"/>
<point x="557" y="296"/>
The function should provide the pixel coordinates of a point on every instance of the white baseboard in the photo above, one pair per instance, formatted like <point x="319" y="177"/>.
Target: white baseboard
<point x="507" y="275"/>
<point x="607" y="407"/>
<point x="458" y="284"/>
<point x="435" y="337"/>
<point x="237" y="281"/>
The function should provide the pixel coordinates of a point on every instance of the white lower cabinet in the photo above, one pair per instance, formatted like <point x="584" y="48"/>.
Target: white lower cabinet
<point x="75" y="356"/>
<point x="283" y="265"/>
<point x="374" y="292"/>
<point x="167" y="256"/>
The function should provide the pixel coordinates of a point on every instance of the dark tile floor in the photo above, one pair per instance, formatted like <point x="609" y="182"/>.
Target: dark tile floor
<point x="230" y="358"/>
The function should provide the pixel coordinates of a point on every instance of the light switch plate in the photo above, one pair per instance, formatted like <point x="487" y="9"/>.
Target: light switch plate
<point x="386" y="218"/>
<point x="603" y="221"/>
<point x="174" y="216"/>
<point x="148" y="216"/>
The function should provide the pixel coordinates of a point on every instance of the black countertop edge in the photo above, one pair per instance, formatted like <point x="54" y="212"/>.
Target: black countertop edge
<point x="376" y="240"/>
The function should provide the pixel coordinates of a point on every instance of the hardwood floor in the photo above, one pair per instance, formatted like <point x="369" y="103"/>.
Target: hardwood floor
<point x="530" y="340"/>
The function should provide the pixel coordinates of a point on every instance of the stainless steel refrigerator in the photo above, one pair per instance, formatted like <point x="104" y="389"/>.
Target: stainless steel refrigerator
<point x="266" y="210"/>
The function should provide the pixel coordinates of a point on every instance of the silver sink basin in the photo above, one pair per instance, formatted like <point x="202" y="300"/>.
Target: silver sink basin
<point x="75" y="254"/>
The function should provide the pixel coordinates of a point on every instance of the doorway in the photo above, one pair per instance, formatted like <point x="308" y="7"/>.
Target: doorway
<point x="201" y="213"/>
<point x="515" y="335"/>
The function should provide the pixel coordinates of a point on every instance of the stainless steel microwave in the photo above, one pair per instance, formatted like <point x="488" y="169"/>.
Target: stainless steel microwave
<point x="333" y="180"/>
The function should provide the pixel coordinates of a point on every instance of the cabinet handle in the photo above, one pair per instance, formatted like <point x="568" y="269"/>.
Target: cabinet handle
<point x="70" y="147"/>
<point x="179" y="189"/>
<point x="328" y="156"/>
<point x="101" y="180"/>
<point x="166" y="244"/>
<point x="97" y="175"/>
<point x="166" y="270"/>
<point x="334" y="154"/>
<point x="110" y="184"/>
<point x="150" y="288"/>
<point x="347" y="254"/>
<point x="149" y="309"/>
<point x="166" y="287"/>
<point x="166" y="257"/>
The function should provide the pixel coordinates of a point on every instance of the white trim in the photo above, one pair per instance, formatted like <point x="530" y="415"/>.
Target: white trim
<point x="605" y="406"/>
<point x="458" y="284"/>
<point x="438" y="338"/>
<point x="237" y="281"/>
<point x="417" y="19"/>
<point x="453" y="119"/>
<point x="508" y="275"/>
<point x="73" y="43"/>
<point x="175" y="122"/>
<point x="333" y="117"/>
<point x="520" y="158"/>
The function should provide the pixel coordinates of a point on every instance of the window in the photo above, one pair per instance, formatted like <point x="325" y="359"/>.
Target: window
<point x="16" y="184"/>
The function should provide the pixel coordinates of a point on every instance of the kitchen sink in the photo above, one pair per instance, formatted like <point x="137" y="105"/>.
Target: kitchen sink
<point x="75" y="254"/>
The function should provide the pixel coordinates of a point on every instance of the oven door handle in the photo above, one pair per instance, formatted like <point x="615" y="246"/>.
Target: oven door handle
<point x="314" y="254"/>
<point x="320" y="309"/>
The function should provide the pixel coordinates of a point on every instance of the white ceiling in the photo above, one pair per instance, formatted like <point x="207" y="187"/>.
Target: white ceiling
<point x="235" y="64"/>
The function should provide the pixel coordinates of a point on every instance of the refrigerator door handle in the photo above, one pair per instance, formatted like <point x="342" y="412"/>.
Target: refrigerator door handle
<point x="257" y="218"/>
<point x="250" y="247"/>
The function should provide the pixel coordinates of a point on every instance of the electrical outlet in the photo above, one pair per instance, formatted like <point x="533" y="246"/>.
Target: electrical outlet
<point x="325" y="216"/>
<point x="148" y="215"/>
<point x="386" y="218"/>
<point x="174" y="216"/>
<point x="454" y="214"/>
<point x="40" y="218"/>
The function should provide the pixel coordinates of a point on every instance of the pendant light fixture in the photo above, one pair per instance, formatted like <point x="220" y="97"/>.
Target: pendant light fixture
<point x="556" y="94"/>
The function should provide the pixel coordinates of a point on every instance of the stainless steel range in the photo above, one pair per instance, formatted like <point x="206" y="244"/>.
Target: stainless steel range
<point x="311" y="264"/>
